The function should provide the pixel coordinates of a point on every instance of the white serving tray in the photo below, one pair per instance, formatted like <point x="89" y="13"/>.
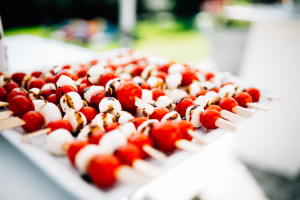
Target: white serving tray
<point x="59" y="168"/>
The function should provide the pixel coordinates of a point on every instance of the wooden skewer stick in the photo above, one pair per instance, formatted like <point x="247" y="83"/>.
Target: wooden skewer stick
<point x="257" y="106"/>
<point x="11" y="122"/>
<point x="221" y="123"/>
<point x="196" y="136"/>
<point x="242" y="111"/>
<point x="230" y="116"/>
<point x="5" y="114"/>
<point x="188" y="146"/>
<point x="3" y="104"/>
<point x="154" y="153"/>
<point x="127" y="175"/>
<point x="28" y="136"/>
<point x="145" y="168"/>
<point x="272" y="98"/>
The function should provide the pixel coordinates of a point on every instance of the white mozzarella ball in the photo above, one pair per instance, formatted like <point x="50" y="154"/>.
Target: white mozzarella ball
<point x="111" y="105"/>
<point x="146" y="126"/>
<point x="165" y="101"/>
<point x="76" y="118"/>
<point x="2" y="80"/>
<point x="94" y="73"/>
<point x="138" y="80"/>
<point x="200" y="76"/>
<point x="112" y="86"/>
<point x="125" y="76"/>
<point x="112" y="140"/>
<point x="127" y="129"/>
<point x="48" y="86"/>
<point x="155" y="82"/>
<point x="56" y="140"/>
<point x="65" y="80"/>
<point x="147" y="71"/>
<point x="39" y="104"/>
<point x="125" y="117"/>
<point x="147" y="95"/>
<point x="195" y="88"/>
<point x="143" y="110"/>
<point x="102" y="119"/>
<point x="201" y="101"/>
<point x="212" y="97"/>
<point x="87" y="130"/>
<point x="172" y="116"/>
<point x="35" y="93"/>
<point x="173" y="80"/>
<point x="176" y="68"/>
<point x="85" y="156"/>
<point x="177" y="94"/>
<point x="240" y="88"/>
<point x="193" y="115"/>
<point x="71" y="100"/>
<point x="26" y="81"/>
<point x="227" y="91"/>
<point x="88" y="92"/>
<point x="207" y="85"/>
<point x="50" y="112"/>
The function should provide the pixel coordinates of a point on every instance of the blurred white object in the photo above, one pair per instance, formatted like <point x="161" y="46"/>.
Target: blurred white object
<point x="271" y="140"/>
<point x="3" y="64"/>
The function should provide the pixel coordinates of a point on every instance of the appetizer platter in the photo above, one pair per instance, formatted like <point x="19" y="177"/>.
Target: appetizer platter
<point x="114" y="123"/>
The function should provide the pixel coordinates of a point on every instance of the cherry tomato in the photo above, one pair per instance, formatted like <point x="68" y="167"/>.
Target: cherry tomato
<point x="127" y="92"/>
<point x="93" y="62"/>
<point x="214" y="107"/>
<point x="191" y="96"/>
<point x="89" y="113"/>
<point x="128" y="153"/>
<point x="10" y="86"/>
<point x="183" y="104"/>
<point x="107" y="76"/>
<point x="254" y="93"/>
<point x="188" y="76"/>
<point x="50" y="79"/>
<point x="145" y="86"/>
<point x="208" y="118"/>
<point x="74" y="148"/>
<point x="81" y="88"/>
<point x="95" y="137"/>
<point x="184" y="127"/>
<point x="216" y="89"/>
<point x="52" y="99"/>
<point x="82" y="72"/>
<point x="165" y="134"/>
<point x="243" y="98"/>
<point x="209" y="76"/>
<point x="61" y="123"/>
<point x="157" y="93"/>
<point x="18" y="77"/>
<point x="102" y="170"/>
<point x="137" y="70"/>
<point x="159" y="113"/>
<point x="47" y="92"/>
<point x="165" y="67"/>
<point x="36" y="83"/>
<point x="15" y="92"/>
<point x="139" y="120"/>
<point x="3" y="94"/>
<point x="111" y="126"/>
<point x="141" y="140"/>
<point x="97" y="98"/>
<point x="162" y="75"/>
<point x="64" y="90"/>
<point x="66" y="67"/>
<point x="37" y="74"/>
<point x="202" y="93"/>
<point x="228" y="103"/>
<point x="34" y="121"/>
<point x="20" y="105"/>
